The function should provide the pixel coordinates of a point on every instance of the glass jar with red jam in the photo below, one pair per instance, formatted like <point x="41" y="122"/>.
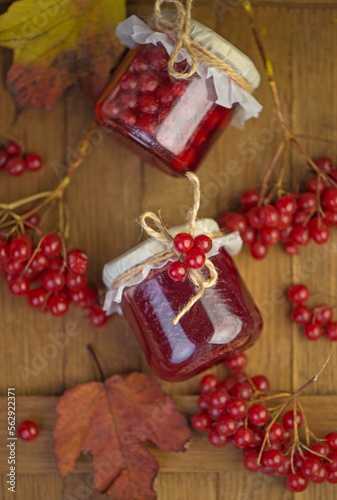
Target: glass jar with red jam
<point x="172" y="123"/>
<point x="223" y="321"/>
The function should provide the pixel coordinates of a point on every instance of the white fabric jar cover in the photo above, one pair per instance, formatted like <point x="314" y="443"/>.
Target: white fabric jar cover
<point x="149" y="248"/>
<point x="133" y="31"/>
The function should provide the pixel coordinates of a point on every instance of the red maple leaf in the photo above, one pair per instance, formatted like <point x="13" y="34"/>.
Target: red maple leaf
<point x="57" y="44"/>
<point x="111" y="420"/>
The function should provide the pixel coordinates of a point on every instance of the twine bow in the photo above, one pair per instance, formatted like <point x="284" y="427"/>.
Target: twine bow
<point x="179" y="28"/>
<point x="161" y="234"/>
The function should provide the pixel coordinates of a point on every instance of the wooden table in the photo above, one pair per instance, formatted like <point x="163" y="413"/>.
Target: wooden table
<point x="111" y="189"/>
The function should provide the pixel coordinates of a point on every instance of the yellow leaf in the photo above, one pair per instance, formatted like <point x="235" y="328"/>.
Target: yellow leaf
<point x="59" y="43"/>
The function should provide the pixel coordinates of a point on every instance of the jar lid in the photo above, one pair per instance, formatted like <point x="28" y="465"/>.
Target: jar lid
<point x="133" y="31"/>
<point x="151" y="247"/>
<point x="227" y="52"/>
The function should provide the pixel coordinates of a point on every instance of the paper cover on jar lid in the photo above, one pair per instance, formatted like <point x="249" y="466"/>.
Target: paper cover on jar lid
<point x="133" y="31"/>
<point x="141" y="253"/>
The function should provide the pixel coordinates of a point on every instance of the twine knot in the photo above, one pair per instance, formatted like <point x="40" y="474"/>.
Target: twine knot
<point x="178" y="27"/>
<point x="160" y="233"/>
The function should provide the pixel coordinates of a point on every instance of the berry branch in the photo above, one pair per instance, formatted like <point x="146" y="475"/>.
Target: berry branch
<point x="267" y="64"/>
<point x="43" y="257"/>
<point x="234" y="410"/>
<point x="293" y="398"/>
<point x="274" y="214"/>
<point x="47" y="196"/>
<point x="288" y="135"/>
<point x="316" y="320"/>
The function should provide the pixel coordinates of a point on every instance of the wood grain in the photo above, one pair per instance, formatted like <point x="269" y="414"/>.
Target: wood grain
<point x="108" y="193"/>
<point x="251" y="150"/>
<point x="40" y="487"/>
<point x="317" y="266"/>
<point x="201" y="456"/>
<point x="191" y="485"/>
<point x="245" y="486"/>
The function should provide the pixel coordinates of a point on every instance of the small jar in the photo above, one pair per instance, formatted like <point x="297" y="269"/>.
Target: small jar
<point x="223" y="321"/>
<point x="172" y="123"/>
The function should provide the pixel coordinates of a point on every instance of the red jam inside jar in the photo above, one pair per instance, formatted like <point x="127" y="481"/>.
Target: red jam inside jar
<point x="170" y="123"/>
<point x="224" y="320"/>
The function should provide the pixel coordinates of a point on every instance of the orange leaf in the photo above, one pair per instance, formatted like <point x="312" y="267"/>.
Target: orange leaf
<point x="59" y="43"/>
<point x="111" y="420"/>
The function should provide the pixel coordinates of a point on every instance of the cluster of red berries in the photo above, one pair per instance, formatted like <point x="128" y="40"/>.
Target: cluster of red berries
<point x="294" y="219"/>
<point x="28" y="430"/>
<point x="316" y="321"/>
<point x="59" y="275"/>
<point x="194" y="249"/>
<point x="231" y="413"/>
<point x="15" y="163"/>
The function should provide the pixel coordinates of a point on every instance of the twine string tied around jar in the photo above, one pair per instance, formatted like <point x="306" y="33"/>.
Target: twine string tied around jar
<point x="179" y="29"/>
<point x="160" y="233"/>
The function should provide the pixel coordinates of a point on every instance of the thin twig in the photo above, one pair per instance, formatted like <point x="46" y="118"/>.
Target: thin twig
<point x="47" y="196"/>
<point x="267" y="63"/>
<point x="293" y="397"/>
<point x="314" y="138"/>
<point x="24" y="201"/>
<point x="246" y="4"/>
<point x="269" y="171"/>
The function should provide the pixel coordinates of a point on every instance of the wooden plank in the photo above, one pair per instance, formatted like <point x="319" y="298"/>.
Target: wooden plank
<point x="201" y="457"/>
<point x="318" y="491"/>
<point x="168" y="485"/>
<point x="248" y="486"/>
<point x="23" y="343"/>
<point x="110" y="181"/>
<point x="316" y="266"/>
<point x="250" y="152"/>
<point x="28" y="487"/>
<point x="185" y="486"/>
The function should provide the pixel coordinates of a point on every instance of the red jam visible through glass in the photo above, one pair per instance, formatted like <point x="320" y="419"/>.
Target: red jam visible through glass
<point x="170" y="123"/>
<point x="224" y="320"/>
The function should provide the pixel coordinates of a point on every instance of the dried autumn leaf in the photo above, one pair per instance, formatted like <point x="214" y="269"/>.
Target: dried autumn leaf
<point x="110" y="421"/>
<point x="58" y="43"/>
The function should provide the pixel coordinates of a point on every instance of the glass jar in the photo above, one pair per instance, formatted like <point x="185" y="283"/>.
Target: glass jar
<point x="172" y="123"/>
<point x="223" y="321"/>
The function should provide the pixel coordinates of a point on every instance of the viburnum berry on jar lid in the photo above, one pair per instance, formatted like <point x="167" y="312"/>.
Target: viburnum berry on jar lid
<point x="172" y="122"/>
<point x="184" y="321"/>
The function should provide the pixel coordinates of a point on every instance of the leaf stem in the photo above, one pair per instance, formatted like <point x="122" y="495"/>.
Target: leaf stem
<point x="98" y="364"/>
